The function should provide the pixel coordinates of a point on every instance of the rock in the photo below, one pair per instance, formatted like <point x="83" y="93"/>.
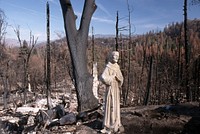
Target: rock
<point x="83" y="116"/>
<point x="68" y="119"/>
<point x="60" y="111"/>
<point x="30" y="120"/>
<point x="26" y="110"/>
<point x="23" y="120"/>
<point x="44" y="117"/>
<point x="121" y="129"/>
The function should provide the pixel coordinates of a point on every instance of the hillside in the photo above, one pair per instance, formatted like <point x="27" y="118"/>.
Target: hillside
<point x="156" y="78"/>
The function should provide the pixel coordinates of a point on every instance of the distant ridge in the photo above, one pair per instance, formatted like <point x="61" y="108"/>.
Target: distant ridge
<point x="12" y="42"/>
<point x="104" y="36"/>
<point x="111" y="35"/>
<point x="15" y="43"/>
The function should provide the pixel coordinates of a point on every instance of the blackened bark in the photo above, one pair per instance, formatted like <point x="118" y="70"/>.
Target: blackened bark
<point x="187" y="58"/>
<point x="117" y="32"/>
<point x="147" y="96"/>
<point x="48" y="63"/>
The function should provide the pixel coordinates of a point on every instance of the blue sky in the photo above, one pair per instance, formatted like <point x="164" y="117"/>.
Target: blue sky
<point x="146" y="15"/>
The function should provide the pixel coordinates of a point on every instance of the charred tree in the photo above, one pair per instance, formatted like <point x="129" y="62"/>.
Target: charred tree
<point x="24" y="54"/>
<point x="5" y="85"/>
<point x="3" y="26"/>
<point x="198" y="77"/>
<point x="147" y="96"/>
<point x="117" y="32"/>
<point x="187" y="53"/>
<point x="48" y="62"/>
<point x="178" y="40"/>
<point x="78" y="42"/>
<point x="129" y="55"/>
<point x="3" y="58"/>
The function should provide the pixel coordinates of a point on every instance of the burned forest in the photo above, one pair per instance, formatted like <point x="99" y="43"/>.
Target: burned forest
<point x="53" y="87"/>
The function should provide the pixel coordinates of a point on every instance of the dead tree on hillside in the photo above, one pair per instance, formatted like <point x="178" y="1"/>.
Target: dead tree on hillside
<point x="129" y="54"/>
<point x="187" y="53"/>
<point x="148" y="88"/>
<point x="117" y="31"/>
<point x="77" y="43"/>
<point x="4" y="77"/>
<point x="187" y="49"/>
<point x="48" y="62"/>
<point x="24" y="54"/>
<point x="3" y="26"/>
<point x="126" y="70"/>
<point x="4" y="60"/>
<point x="4" y="73"/>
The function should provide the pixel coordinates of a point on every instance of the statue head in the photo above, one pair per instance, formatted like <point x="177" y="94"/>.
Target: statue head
<point x="114" y="57"/>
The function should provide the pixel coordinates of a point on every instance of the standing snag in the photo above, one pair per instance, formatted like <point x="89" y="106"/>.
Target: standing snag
<point x="77" y="42"/>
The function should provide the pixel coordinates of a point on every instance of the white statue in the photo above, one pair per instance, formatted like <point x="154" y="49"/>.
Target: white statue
<point x="113" y="79"/>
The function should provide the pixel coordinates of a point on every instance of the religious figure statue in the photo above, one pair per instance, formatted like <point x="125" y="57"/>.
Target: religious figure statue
<point x="113" y="79"/>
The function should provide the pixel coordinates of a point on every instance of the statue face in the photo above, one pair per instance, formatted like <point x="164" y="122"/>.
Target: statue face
<point x="115" y="57"/>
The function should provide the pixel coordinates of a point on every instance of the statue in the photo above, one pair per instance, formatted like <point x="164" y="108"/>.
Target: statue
<point x="113" y="79"/>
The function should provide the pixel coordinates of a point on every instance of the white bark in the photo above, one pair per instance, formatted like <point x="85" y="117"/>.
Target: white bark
<point x="95" y="80"/>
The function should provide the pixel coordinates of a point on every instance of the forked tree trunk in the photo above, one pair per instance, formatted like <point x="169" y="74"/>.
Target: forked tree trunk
<point x="77" y="42"/>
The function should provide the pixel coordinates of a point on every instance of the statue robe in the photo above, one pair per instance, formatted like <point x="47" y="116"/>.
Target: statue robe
<point x="113" y="79"/>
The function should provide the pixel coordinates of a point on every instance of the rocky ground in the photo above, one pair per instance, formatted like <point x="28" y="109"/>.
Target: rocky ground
<point x="34" y="118"/>
<point x="159" y="119"/>
<point x="169" y="119"/>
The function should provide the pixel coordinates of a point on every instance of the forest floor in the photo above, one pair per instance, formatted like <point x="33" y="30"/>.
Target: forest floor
<point x="153" y="119"/>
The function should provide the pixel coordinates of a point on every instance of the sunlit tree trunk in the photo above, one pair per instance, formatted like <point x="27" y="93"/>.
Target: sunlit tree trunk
<point x="77" y="43"/>
<point x="3" y="26"/>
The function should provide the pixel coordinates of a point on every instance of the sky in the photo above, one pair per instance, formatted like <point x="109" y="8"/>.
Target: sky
<point x="145" y="15"/>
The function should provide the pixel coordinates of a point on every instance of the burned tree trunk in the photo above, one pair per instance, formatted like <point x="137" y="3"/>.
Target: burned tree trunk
<point x="187" y="59"/>
<point x="48" y="65"/>
<point x="147" y="96"/>
<point x="117" y="32"/>
<point x="77" y="42"/>
<point x="5" y="94"/>
<point x="129" y="55"/>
